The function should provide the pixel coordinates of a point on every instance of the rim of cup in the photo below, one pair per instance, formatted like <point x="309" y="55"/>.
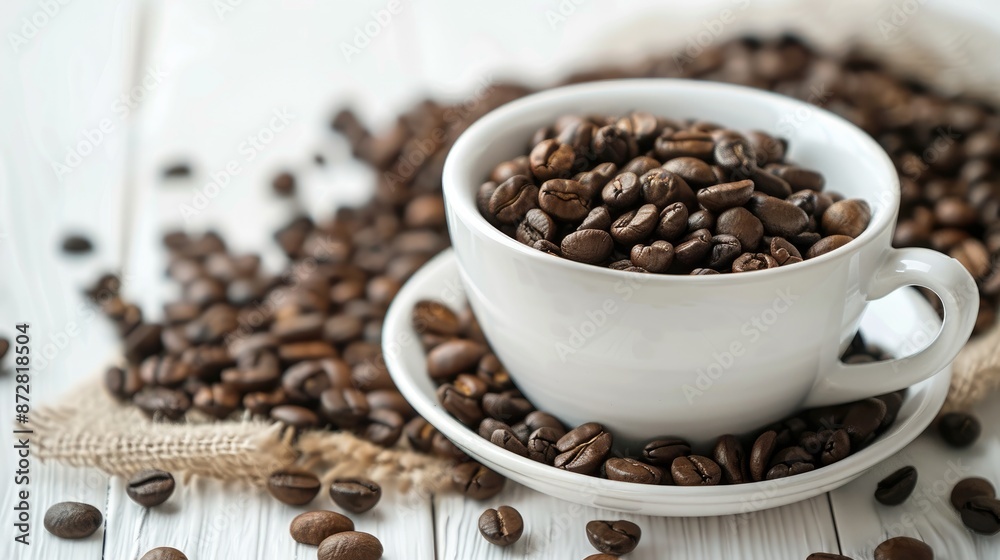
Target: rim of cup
<point x="459" y="195"/>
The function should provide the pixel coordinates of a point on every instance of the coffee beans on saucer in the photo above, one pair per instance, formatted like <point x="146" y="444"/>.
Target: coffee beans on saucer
<point x="72" y="520"/>
<point x="489" y="404"/>
<point x="668" y="197"/>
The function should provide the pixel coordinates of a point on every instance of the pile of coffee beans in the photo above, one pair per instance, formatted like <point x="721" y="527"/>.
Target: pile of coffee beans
<point x="645" y="193"/>
<point x="475" y="389"/>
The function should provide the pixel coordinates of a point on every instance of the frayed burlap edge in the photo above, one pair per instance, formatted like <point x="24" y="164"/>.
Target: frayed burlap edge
<point x="90" y="429"/>
<point x="976" y="371"/>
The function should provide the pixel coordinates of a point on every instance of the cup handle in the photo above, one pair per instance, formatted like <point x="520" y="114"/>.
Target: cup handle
<point x="944" y="276"/>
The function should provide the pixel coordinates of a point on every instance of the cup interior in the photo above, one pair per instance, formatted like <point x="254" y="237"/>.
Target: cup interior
<point x="853" y="164"/>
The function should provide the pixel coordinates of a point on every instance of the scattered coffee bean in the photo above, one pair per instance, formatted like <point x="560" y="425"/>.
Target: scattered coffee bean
<point x="502" y="526"/>
<point x="283" y="184"/>
<point x="312" y="527"/>
<point x="969" y="488"/>
<point x="177" y="171"/>
<point x="476" y="481"/>
<point x="350" y="545"/>
<point x="959" y="429"/>
<point x="826" y="556"/>
<point x="632" y="470"/>
<point x="73" y="520"/>
<point x="295" y="487"/>
<point x="903" y="548"/>
<point x="617" y="538"/>
<point x="76" y="244"/>
<point x="356" y="495"/>
<point x="164" y="553"/>
<point x="982" y="515"/>
<point x="895" y="488"/>
<point x="150" y="488"/>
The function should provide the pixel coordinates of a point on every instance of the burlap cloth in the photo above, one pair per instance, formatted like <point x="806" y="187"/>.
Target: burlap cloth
<point x="92" y="430"/>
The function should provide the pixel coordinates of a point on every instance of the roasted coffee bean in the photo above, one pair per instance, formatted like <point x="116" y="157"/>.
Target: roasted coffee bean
<point x="791" y="455"/>
<point x="779" y="217"/>
<point x="736" y="155"/>
<point x="728" y="454"/>
<point x="838" y="447"/>
<point x="507" y="169"/>
<point x="583" y="449"/>
<point x="640" y="165"/>
<point x="695" y="470"/>
<point x="741" y="224"/>
<point x="293" y="486"/>
<point x="392" y="399"/>
<point x="434" y="317"/>
<point x="536" y="226"/>
<point x="673" y="221"/>
<point x="770" y="184"/>
<point x="160" y="401"/>
<point x="506" y="406"/>
<point x="595" y="179"/>
<point x="662" y="452"/>
<point x="783" y="470"/>
<point x="631" y="470"/>
<point x="799" y="178"/>
<point x="72" y="520"/>
<point x="614" y="537"/>
<point x="4" y="347"/>
<point x="693" y="171"/>
<point x="719" y="198"/>
<point x="542" y="444"/>
<point x="538" y="419"/>
<point x="656" y="257"/>
<point x="476" y="481"/>
<point x="624" y="191"/>
<point x="420" y="433"/>
<point x="298" y="417"/>
<point x="507" y="439"/>
<point x="150" y="488"/>
<point x="725" y="249"/>
<point x="600" y="556"/>
<point x="591" y="246"/>
<point x="512" y="199"/>
<point x="702" y="219"/>
<point x="383" y="427"/>
<point x="453" y="357"/>
<point x="784" y="252"/>
<point x="564" y="199"/>
<point x="903" y="548"/>
<point x="748" y="262"/>
<point x="847" y="217"/>
<point x="350" y="545"/>
<point x="489" y="425"/>
<point x="969" y="488"/>
<point x="551" y="160"/>
<point x="661" y="187"/>
<point x="356" y="495"/>
<point x="982" y="515"/>
<point x="613" y="145"/>
<point x="143" y="342"/>
<point x="164" y="553"/>
<point x="346" y="408"/>
<point x="598" y="218"/>
<point x="826" y="556"/>
<point x="76" y="244"/>
<point x="761" y="453"/>
<point x="827" y="244"/>
<point x="684" y="144"/>
<point x="959" y="429"/>
<point x="312" y="527"/>
<point x="502" y="526"/>
<point x="863" y="418"/>
<point x="635" y="226"/>
<point x="122" y="383"/>
<point x="306" y="381"/>
<point x="895" y="488"/>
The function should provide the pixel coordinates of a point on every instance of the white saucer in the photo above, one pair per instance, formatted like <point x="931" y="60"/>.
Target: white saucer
<point x="893" y="323"/>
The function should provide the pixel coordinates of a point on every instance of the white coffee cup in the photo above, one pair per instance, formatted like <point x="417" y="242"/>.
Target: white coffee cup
<point x="695" y="356"/>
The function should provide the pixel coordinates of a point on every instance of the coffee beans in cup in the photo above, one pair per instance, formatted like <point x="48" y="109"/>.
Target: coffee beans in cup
<point x="669" y="197"/>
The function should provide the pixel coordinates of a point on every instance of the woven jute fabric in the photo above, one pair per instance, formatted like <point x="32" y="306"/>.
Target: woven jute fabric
<point x="90" y="429"/>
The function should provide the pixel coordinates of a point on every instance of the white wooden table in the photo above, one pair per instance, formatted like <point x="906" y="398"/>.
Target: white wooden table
<point x="215" y="73"/>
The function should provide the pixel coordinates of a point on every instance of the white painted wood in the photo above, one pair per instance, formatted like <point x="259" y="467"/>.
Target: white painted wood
<point x="927" y="514"/>
<point x="554" y="528"/>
